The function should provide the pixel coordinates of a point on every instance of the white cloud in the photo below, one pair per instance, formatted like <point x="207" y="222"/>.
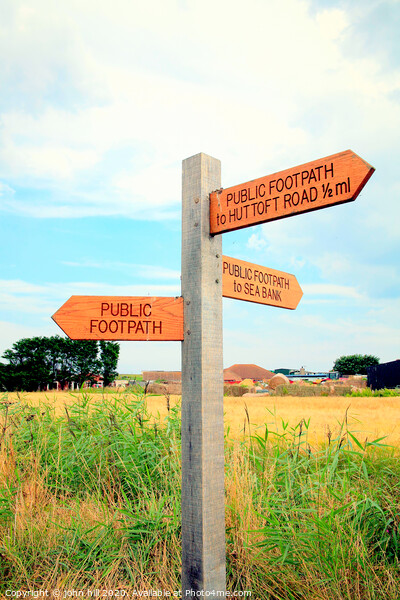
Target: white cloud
<point x="101" y="101"/>
<point x="146" y="271"/>
<point x="330" y="289"/>
<point x="111" y="81"/>
<point x="25" y="298"/>
<point x="16" y="286"/>
<point x="47" y="162"/>
<point x="5" y="189"/>
<point x="276" y="338"/>
<point x="11" y="332"/>
<point x="255" y="242"/>
<point x="145" y="356"/>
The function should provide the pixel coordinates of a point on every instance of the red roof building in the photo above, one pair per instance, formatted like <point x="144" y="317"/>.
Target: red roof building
<point x="239" y="372"/>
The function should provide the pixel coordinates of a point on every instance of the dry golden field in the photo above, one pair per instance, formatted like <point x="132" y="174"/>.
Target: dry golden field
<point x="368" y="417"/>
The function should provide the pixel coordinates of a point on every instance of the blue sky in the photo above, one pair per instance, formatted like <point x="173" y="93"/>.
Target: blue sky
<point x="99" y="104"/>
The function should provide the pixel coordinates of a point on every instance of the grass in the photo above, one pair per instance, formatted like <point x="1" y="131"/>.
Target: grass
<point x="131" y="376"/>
<point x="90" y="497"/>
<point x="296" y="389"/>
<point x="308" y="389"/>
<point x="384" y="393"/>
<point x="379" y="416"/>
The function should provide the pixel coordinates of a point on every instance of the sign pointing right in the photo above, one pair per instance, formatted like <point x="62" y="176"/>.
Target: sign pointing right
<point x="325" y="182"/>
<point x="245" y="281"/>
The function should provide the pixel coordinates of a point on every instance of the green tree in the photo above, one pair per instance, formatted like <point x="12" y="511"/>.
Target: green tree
<point x="355" y="364"/>
<point x="64" y="360"/>
<point x="35" y="363"/>
<point x="85" y="364"/>
<point x="29" y="364"/>
<point x="109" y="354"/>
<point x="5" y="376"/>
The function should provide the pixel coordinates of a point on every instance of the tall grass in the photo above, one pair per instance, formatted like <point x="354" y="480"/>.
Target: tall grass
<point x="91" y="498"/>
<point x="326" y="521"/>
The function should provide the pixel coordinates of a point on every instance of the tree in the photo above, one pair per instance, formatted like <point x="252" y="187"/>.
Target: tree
<point x="29" y="365"/>
<point x="35" y="363"/>
<point x="109" y="353"/>
<point x="355" y="364"/>
<point x="4" y="377"/>
<point x="62" y="356"/>
<point x="85" y="363"/>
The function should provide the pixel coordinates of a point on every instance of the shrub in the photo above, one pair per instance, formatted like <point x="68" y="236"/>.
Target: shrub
<point x="236" y="390"/>
<point x="296" y="389"/>
<point x="341" y="390"/>
<point x="367" y="392"/>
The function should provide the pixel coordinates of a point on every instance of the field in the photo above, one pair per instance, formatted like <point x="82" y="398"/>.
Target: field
<point x="90" y="495"/>
<point x="371" y="417"/>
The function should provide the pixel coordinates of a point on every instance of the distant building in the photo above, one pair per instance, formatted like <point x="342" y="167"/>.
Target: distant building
<point x="238" y="372"/>
<point x="307" y="375"/>
<point x="231" y="377"/>
<point x="95" y="382"/>
<point x="164" y="376"/>
<point x="119" y="383"/>
<point x="284" y="371"/>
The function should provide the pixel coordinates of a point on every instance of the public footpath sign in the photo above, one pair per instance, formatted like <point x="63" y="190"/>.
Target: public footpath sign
<point x="196" y="320"/>
<point x="253" y="283"/>
<point x="325" y="182"/>
<point x="121" y="318"/>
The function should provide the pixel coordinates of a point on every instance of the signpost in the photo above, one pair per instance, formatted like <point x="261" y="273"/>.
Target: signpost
<point x="203" y="497"/>
<point x="253" y="283"/>
<point x="196" y="320"/>
<point x="121" y="318"/>
<point x="325" y="182"/>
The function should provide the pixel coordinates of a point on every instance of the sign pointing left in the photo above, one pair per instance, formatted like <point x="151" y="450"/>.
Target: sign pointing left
<point x="121" y="318"/>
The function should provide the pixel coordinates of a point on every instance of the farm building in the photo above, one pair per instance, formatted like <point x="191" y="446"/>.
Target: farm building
<point x="234" y="374"/>
<point x="238" y="372"/>
<point x="119" y="383"/>
<point x="231" y="376"/>
<point x="285" y="371"/>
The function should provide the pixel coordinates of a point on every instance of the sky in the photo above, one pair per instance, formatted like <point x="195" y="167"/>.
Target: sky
<point x="101" y="101"/>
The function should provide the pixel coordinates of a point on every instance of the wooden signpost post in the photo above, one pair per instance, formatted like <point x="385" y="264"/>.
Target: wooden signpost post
<point x="196" y="320"/>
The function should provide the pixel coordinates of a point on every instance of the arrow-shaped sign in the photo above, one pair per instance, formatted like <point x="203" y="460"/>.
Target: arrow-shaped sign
<point x="325" y="182"/>
<point x="246" y="281"/>
<point x="121" y="318"/>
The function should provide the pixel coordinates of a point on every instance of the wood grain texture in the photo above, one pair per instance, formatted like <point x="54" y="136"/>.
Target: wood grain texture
<point x="121" y="318"/>
<point x="318" y="184"/>
<point x="253" y="283"/>
<point x="203" y="500"/>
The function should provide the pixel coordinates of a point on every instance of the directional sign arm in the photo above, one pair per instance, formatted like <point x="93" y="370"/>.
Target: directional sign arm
<point x="325" y="182"/>
<point x="253" y="283"/>
<point x="121" y="318"/>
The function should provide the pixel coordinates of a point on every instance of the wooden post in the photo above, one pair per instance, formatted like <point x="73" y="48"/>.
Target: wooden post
<point x="203" y="498"/>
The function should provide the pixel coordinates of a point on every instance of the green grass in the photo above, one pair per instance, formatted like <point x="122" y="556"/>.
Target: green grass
<point x="367" y="392"/>
<point x="92" y="499"/>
